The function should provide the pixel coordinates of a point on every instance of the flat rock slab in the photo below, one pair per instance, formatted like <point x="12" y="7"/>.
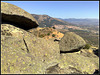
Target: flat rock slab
<point x="73" y="63"/>
<point x="13" y="14"/>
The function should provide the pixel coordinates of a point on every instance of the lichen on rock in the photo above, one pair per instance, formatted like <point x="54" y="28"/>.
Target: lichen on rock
<point x="71" y="41"/>
<point x="23" y="52"/>
<point x="13" y="14"/>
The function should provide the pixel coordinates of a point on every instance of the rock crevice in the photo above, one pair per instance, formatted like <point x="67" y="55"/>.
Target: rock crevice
<point x="26" y="45"/>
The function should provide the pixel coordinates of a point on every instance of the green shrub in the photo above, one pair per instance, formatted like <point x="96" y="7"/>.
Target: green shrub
<point x="49" y="27"/>
<point x="53" y="27"/>
<point x="87" y="46"/>
<point x="42" y="35"/>
<point x="50" y="31"/>
<point x="48" y="34"/>
<point x="53" y="35"/>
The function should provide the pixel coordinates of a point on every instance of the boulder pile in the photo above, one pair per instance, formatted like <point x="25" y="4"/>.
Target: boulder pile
<point x="24" y="53"/>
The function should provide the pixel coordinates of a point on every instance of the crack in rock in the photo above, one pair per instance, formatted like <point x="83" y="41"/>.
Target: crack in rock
<point x="26" y="45"/>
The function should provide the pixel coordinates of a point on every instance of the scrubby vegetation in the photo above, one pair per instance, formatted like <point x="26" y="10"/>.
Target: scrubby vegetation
<point x="53" y="35"/>
<point x="87" y="46"/>
<point x="48" y="34"/>
<point x="42" y="35"/>
<point x="53" y="27"/>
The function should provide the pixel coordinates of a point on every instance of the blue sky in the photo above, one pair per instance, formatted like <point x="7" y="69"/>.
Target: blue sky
<point x="61" y="9"/>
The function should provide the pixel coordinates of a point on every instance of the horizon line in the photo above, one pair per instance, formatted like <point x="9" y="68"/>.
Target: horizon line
<point x="66" y="18"/>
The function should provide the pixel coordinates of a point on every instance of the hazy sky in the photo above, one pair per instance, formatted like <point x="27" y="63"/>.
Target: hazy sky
<point x="61" y="9"/>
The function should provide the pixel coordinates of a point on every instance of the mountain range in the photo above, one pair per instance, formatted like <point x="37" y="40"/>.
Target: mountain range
<point x="47" y="21"/>
<point x="89" y="22"/>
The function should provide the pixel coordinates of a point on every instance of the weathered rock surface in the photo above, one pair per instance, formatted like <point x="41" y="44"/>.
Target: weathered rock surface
<point x="24" y="53"/>
<point x="10" y="30"/>
<point x="75" y="63"/>
<point x="71" y="41"/>
<point x="27" y="54"/>
<point x="13" y="14"/>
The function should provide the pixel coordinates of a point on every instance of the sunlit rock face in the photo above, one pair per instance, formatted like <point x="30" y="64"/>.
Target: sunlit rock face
<point x="13" y="14"/>
<point x="71" y="41"/>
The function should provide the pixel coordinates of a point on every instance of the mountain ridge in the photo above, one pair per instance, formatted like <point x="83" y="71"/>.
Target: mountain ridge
<point x="47" y="21"/>
<point x="82" y="21"/>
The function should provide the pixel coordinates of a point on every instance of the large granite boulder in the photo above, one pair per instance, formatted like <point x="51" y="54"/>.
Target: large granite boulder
<point x="71" y="41"/>
<point x="21" y="18"/>
<point x="26" y="54"/>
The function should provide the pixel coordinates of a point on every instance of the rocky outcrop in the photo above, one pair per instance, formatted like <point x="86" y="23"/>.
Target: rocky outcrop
<point x="27" y="54"/>
<point x="71" y="42"/>
<point x="13" y="14"/>
<point x="24" y="53"/>
<point x="75" y="63"/>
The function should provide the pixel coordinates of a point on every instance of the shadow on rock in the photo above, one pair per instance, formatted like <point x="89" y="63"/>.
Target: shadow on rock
<point x="96" y="52"/>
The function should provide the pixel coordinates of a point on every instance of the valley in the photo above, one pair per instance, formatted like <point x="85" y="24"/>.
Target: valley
<point x="86" y="28"/>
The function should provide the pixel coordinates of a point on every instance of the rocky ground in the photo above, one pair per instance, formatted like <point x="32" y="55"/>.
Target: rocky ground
<point x="22" y="52"/>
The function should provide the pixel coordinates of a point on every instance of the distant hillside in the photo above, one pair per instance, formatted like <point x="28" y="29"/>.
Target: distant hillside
<point x="89" y="22"/>
<point x="47" y="21"/>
